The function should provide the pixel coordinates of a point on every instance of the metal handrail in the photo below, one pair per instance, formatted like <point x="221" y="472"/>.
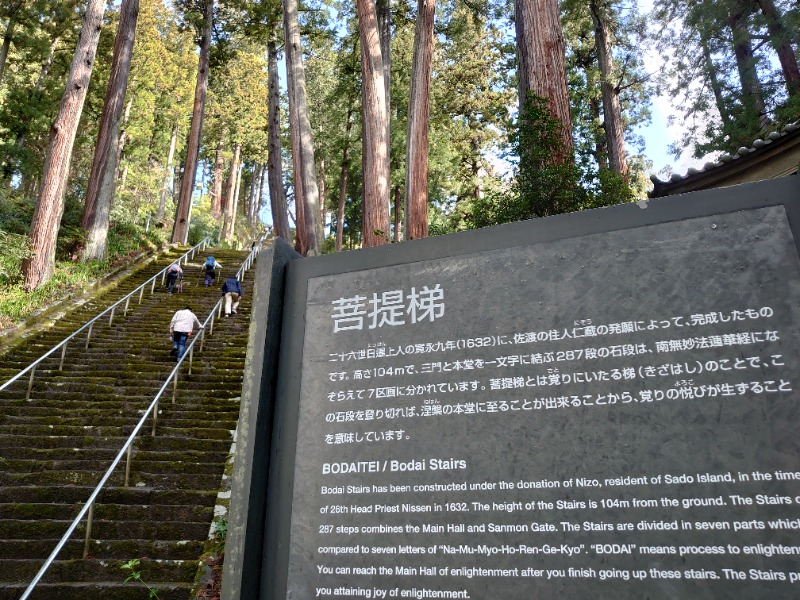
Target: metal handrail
<point x="90" y="324"/>
<point x="128" y="446"/>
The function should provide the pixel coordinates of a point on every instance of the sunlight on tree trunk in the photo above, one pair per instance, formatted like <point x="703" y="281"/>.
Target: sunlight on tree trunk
<point x="375" y="145"/>
<point x="100" y="189"/>
<point x="416" y="213"/>
<point x="38" y="268"/>
<point x="180" y="230"/>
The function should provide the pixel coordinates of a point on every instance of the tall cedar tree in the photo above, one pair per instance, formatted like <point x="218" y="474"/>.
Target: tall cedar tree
<point x="612" y="112"/>
<point x="180" y="230"/>
<point x="37" y="269"/>
<point x="280" y="217"/>
<point x="541" y="69"/>
<point x="375" y="144"/>
<point x="100" y="189"/>
<point x="416" y="213"/>
<point x="306" y="192"/>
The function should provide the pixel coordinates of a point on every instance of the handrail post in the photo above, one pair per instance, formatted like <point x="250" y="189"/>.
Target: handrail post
<point x="30" y="384"/>
<point x="111" y="317"/>
<point x="63" y="355"/>
<point x="191" y="358"/>
<point x="155" y="419"/>
<point x="89" y="520"/>
<point x="175" y="386"/>
<point x="141" y="291"/>
<point x="153" y="286"/>
<point x="163" y="277"/>
<point x="127" y="302"/>
<point x="202" y="338"/>
<point x="128" y="466"/>
<point x="211" y="325"/>
<point x="89" y="335"/>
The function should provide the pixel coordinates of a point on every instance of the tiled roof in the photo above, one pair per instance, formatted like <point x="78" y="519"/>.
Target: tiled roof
<point x="662" y="188"/>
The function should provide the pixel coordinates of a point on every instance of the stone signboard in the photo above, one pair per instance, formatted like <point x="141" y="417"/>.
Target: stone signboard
<point x="601" y="404"/>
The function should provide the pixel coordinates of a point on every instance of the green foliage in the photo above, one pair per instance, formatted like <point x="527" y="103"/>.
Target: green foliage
<point x="132" y="566"/>
<point x="124" y="241"/>
<point x="545" y="184"/>
<point x="203" y="223"/>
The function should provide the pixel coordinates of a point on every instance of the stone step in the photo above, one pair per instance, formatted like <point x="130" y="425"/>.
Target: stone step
<point x="76" y="570"/>
<point x="206" y="481"/>
<point x="11" y="529"/>
<point x="56" y="446"/>
<point x="124" y="549"/>
<point x="124" y="512"/>
<point x="109" y="495"/>
<point x="108" y="590"/>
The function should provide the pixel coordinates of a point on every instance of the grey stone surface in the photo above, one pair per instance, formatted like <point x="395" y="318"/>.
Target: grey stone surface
<point x="242" y="567"/>
<point x="556" y="408"/>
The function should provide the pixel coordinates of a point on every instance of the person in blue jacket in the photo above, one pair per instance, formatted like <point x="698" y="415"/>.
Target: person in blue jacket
<point x="232" y="290"/>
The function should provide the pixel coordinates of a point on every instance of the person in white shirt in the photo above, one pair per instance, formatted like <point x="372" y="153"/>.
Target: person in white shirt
<point x="180" y="328"/>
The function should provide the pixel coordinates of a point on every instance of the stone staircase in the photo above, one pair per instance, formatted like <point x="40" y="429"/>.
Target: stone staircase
<point x="55" y="447"/>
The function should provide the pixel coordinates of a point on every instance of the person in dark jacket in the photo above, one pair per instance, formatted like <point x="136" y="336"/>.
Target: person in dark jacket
<point x="174" y="276"/>
<point x="232" y="290"/>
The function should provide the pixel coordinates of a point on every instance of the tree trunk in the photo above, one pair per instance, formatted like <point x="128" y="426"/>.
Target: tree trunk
<point x="398" y="213"/>
<point x="236" y="193"/>
<point x="375" y="144"/>
<point x="277" y="198"/>
<point x="302" y="137"/>
<point x="716" y="87"/>
<point x="216" y="193"/>
<point x="752" y="94"/>
<point x="123" y="138"/>
<point x="180" y="230"/>
<point x="779" y="38"/>
<point x="162" y="204"/>
<point x="540" y="57"/>
<point x="50" y="206"/>
<point x="260" y="198"/>
<point x="230" y="194"/>
<point x="383" y="12"/>
<point x="7" y="37"/>
<point x="100" y="188"/>
<point x="254" y="196"/>
<point x="612" y="113"/>
<point x="416" y="213"/>
<point x="323" y="196"/>
<point x="345" y="172"/>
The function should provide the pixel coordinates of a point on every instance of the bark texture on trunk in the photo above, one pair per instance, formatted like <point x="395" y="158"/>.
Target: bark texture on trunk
<point x="230" y="195"/>
<point x="383" y="12"/>
<point x="308" y="228"/>
<point x="416" y="212"/>
<point x="277" y="198"/>
<point x="216" y="190"/>
<point x="100" y="188"/>
<point x="375" y="144"/>
<point x="162" y="203"/>
<point x="752" y="93"/>
<point x="612" y="113"/>
<point x="180" y="230"/>
<point x="780" y="38"/>
<point x="7" y="37"/>
<point x="344" y="174"/>
<point x="541" y="68"/>
<point x="50" y="206"/>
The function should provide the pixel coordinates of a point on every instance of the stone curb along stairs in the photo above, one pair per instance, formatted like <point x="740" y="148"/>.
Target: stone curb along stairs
<point x="55" y="447"/>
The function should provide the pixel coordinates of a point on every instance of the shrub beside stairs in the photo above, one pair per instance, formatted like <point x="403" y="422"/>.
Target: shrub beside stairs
<point x="55" y="447"/>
